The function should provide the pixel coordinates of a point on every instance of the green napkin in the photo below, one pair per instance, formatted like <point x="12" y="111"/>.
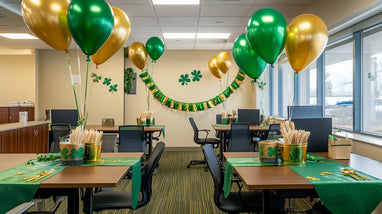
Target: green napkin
<point x="14" y="190"/>
<point x="232" y="162"/>
<point x="135" y="164"/>
<point x="340" y="193"/>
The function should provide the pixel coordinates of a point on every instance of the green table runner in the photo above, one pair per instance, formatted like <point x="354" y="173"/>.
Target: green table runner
<point x="340" y="193"/>
<point x="223" y="125"/>
<point x="14" y="190"/>
<point x="162" y="127"/>
<point x="232" y="162"/>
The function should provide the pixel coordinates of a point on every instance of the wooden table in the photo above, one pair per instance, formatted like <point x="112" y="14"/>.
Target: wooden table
<point x="68" y="181"/>
<point x="149" y="130"/>
<point x="268" y="178"/>
<point x="225" y="129"/>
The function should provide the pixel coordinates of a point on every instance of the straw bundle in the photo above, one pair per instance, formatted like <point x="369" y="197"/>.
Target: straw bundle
<point x="79" y="136"/>
<point x="292" y="136"/>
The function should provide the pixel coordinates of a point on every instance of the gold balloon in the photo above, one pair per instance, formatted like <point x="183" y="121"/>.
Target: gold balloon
<point x="117" y="38"/>
<point x="214" y="68"/>
<point x="307" y="38"/>
<point x="138" y="54"/>
<point x="47" y="20"/>
<point x="223" y="61"/>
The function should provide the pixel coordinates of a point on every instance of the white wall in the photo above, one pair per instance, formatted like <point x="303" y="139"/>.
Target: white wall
<point x="167" y="72"/>
<point x="55" y="90"/>
<point x="17" y="82"/>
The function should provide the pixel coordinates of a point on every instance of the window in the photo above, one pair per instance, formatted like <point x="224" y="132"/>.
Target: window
<point x="307" y="86"/>
<point x="339" y="83"/>
<point x="372" y="80"/>
<point x="275" y="91"/>
<point x="286" y="92"/>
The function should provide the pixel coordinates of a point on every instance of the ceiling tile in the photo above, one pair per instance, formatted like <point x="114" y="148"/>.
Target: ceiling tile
<point x="224" y="10"/>
<point x="227" y="2"/>
<point x="137" y="10"/>
<point x="143" y="20"/>
<point x="209" y="44"/>
<point x="221" y="21"/>
<point x="177" y="21"/>
<point x="179" y="29"/>
<point x="145" y="29"/>
<point x="177" y="10"/>
<point x="204" y="29"/>
<point x="129" y="2"/>
<point x="185" y="44"/>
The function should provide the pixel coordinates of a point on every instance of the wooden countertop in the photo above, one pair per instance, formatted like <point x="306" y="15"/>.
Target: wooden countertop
<point x="12" y="126"/>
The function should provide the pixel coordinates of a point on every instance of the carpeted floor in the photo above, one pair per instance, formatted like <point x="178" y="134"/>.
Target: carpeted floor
<point x="178" y="190"/>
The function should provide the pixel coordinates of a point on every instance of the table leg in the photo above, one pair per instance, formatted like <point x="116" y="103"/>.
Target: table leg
<point x="222" y="144"/>
<point x="73" y="201"/>
<point x="267" y="203"/>
<point x="88" y="202"/>
<point x="150" y="142"/>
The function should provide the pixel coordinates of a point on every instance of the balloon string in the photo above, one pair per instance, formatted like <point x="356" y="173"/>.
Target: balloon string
<point x="71" y="79"/>
<point x="80" y="79"/>
<point x="86" y="91"/>
<point x="147" y="90"/>
<point x="221" y="89"/>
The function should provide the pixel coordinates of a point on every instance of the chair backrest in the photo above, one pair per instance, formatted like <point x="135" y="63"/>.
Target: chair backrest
<point x="58" y="131"/>
<point x="275" y="128"/>
<point x="219" y="119"/>
<point x="195" y="128"/>
<point x="109" y="142"/>
<point x="148" y="170"/>
<point x="215" y="170"/>
<point x="240" y="138"/>
<point x="132" y="139"/>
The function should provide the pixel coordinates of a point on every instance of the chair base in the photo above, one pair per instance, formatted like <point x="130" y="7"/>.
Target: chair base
<point x="196" y="162"/>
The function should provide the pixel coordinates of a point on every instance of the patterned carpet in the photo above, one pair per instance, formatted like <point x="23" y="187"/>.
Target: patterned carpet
<point x="177" y="189"/>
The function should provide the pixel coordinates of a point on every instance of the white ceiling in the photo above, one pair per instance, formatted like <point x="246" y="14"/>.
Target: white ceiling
<point x="147" y="20"/>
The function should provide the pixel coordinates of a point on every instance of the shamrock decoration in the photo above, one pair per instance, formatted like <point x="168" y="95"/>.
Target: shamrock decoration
<point x="272" y="151"/>
<point x="261" y="150"/>
<point x="77" y="153"/>
<point x="296" y="154"/>
<point x="184" y="79"/>
<point x="261" y="85"/>
<point x="96" y="78"/>
<point x="107" y="81"/>
<point x="64" y="153"/>
<point x="90" y="153"/>
<point x="113" y="88"/>
<point x="196" y="75"/>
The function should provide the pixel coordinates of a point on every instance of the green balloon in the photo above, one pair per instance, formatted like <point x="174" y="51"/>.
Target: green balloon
<point x="90" y="23"/>
<point x="155" y="47"/>
<point x="267" y="33"/>
<point x="246" y="58"/>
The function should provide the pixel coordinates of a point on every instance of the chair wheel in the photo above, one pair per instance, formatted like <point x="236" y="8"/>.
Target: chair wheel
<point x="188" y="166"/>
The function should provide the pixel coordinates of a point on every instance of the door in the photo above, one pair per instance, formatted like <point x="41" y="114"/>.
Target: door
<point x="14" y="114"/>
<point x="9" y="141"/>
<point x="42" y="138"/>
<point x="4" y="115"/>
<point x="26" y="142"/>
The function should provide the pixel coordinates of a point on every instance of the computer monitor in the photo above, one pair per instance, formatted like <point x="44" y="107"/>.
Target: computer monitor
<point x="295" y="112"/>
<point x="251" y="116"/>
<point x="320" y="129"/>
<point x="64" y="116"/>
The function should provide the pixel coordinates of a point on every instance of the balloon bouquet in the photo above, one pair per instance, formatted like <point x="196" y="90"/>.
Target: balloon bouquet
<point x="266" y="36"/>
<point x="98" y="29"/>
<point x="219" y="65"/>
<point x="138" y="55"/>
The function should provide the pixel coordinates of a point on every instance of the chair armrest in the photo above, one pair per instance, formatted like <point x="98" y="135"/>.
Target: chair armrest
<point x="207" y="133"/>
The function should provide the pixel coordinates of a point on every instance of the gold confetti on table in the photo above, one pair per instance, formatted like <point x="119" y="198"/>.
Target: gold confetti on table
<point x="326" y="173"/>
<point x="312" y="178"/>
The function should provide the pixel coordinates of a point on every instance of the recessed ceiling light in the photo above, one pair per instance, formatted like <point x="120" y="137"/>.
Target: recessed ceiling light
<point x="213" y="35"/>
<point x="179" y="35"/>
<point x="17" y="36"/>
<point x="176" y="2"/>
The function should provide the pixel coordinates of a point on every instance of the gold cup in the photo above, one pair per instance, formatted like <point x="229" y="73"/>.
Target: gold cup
<point x="93" y="151"/>
<point x="293" y="153"/>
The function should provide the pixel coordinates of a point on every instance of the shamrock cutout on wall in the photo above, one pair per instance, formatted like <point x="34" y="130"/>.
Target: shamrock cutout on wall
<point x="113" y="88"/>
<point x="107" y="81"/>
<point x="184" y="79"/>
<point x="196" y="75"/>
<point x="96" y="78"/>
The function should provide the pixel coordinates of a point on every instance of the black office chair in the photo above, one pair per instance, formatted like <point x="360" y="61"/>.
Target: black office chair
<point x="201" y="141"/>
<point x="58" y="131"/>
<point x="122" y="199"/>
<point x="109" y="142"/>
<point x="132" y="139"/>
<point x="274" y="128"/>
<point x="240" y="138"/>
<point x="236" y="202"/>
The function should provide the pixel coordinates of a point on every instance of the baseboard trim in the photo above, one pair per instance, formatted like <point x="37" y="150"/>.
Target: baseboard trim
<point x="183" y="149"/>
